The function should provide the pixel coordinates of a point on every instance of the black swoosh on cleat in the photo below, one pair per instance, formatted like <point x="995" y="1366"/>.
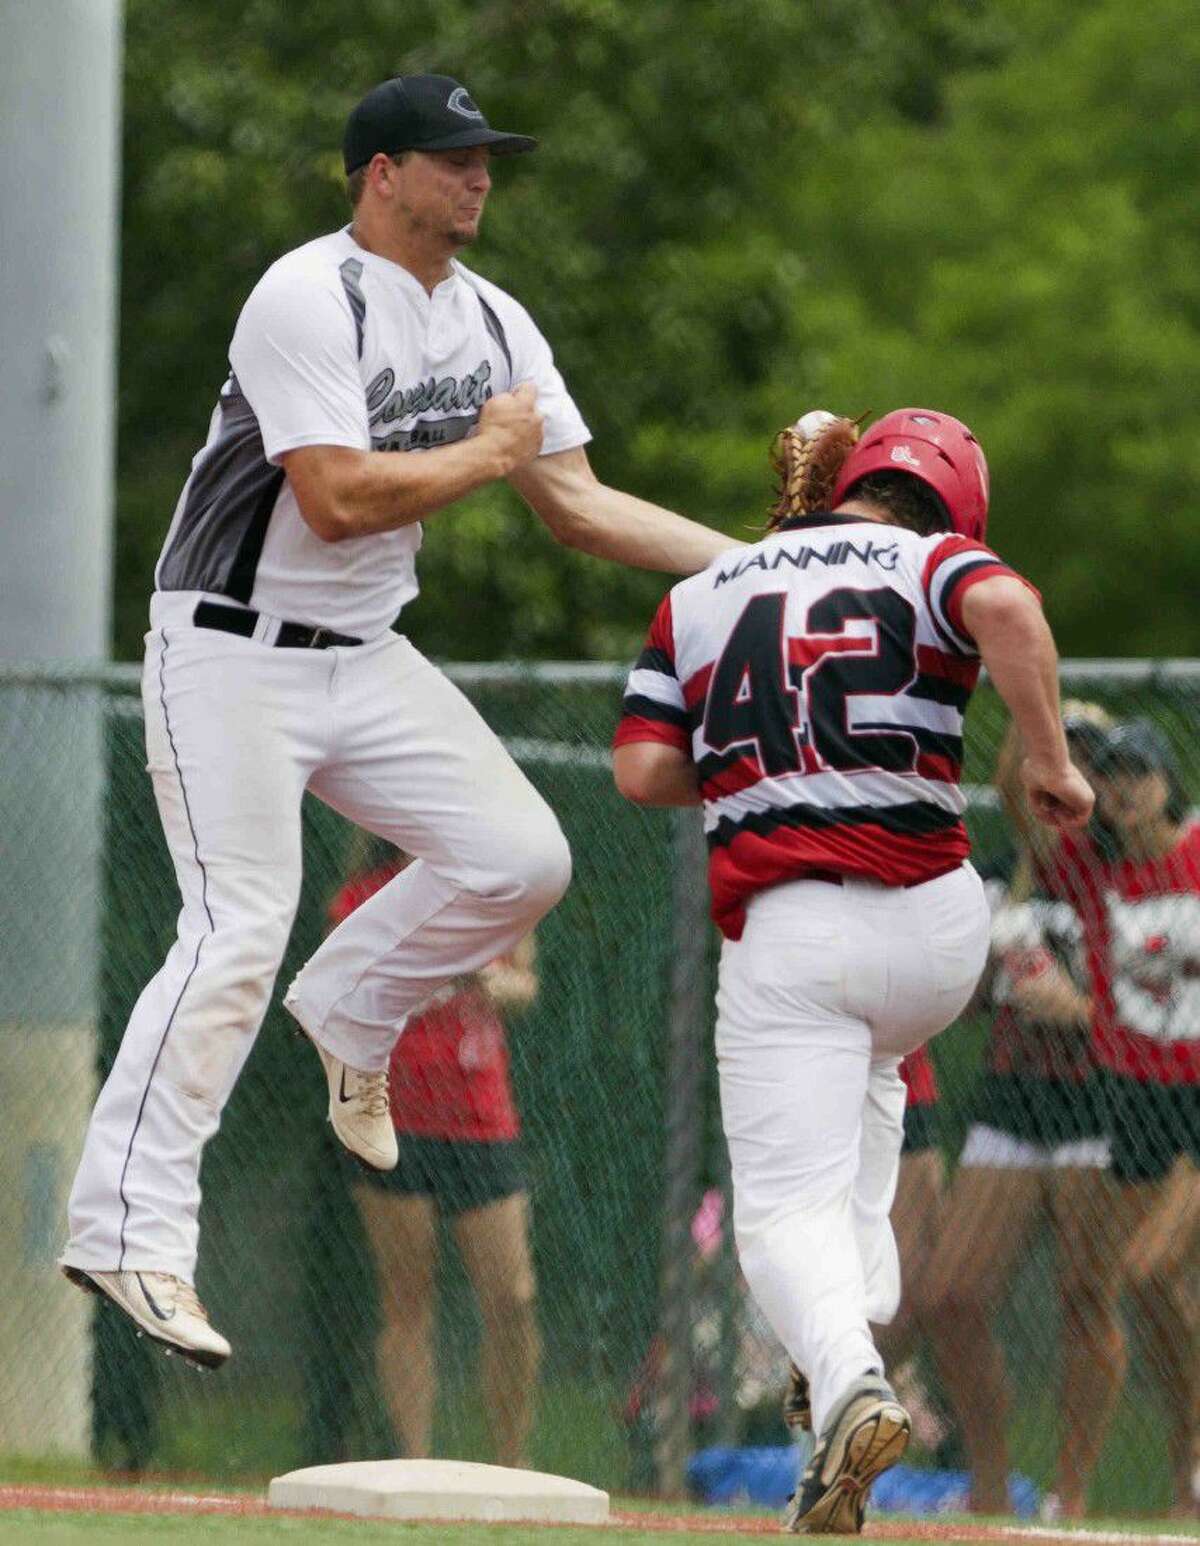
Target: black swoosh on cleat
<point x="342" y="1096"/>
<point x="149" y="1298"/>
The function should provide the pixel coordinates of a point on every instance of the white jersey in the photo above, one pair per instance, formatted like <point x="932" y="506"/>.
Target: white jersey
<point x="338" y="346"/>
<point x="818" y="680"/>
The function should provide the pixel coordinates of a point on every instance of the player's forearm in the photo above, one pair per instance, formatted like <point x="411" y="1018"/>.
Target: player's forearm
<point x="1018" y="650"/>
<point x="347" y="493"/>
<point x="586" y="514"/>
<point x="650" y="773"/>
<point x="613" y="524"/>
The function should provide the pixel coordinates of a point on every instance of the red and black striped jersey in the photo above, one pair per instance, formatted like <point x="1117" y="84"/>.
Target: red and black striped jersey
<point x="1141" y="930"/>
<point x="818" y="679"/>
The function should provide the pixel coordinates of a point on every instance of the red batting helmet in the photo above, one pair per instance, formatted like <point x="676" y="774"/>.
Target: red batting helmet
<point x="934" y="447"/>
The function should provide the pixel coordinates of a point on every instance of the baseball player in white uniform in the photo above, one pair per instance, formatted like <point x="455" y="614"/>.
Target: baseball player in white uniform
<point x="374" y="380"/>
<point x="809" y="691"/>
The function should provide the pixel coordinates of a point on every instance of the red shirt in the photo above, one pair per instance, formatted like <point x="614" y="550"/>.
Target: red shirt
<point x="1141" y="925"/>
<point x="449" y="1073"/>
<point x="917" y="1072"/>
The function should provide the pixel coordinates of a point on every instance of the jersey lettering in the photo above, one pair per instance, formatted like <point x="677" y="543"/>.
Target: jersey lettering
<point x="750" y="700"/>
<point x="885" y="667"/>
<point x="753" y="700"/>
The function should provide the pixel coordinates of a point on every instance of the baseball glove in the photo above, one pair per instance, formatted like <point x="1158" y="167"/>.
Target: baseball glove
<point x="807" y="457"/>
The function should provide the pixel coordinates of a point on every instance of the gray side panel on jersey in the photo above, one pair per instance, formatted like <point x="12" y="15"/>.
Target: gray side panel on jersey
<point x="351" y="272"/>
<point x="218" y="537"/>
<point x="496" y="328"/>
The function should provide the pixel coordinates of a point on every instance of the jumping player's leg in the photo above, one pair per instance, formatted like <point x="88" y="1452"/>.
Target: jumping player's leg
<point x="418" y="765"/>
<point x="228" y="777"/>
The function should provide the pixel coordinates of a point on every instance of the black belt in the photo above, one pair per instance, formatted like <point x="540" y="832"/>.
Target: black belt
<point x="295" y="636"/>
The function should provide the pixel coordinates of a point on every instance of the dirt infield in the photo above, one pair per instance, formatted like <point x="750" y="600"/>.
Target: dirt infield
<point x="135" y="1500"/>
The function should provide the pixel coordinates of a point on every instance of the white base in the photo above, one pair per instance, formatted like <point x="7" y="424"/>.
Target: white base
<point x="439" y="1489"/>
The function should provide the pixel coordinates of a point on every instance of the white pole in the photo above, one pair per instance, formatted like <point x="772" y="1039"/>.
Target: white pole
<point x="59" y="158"/>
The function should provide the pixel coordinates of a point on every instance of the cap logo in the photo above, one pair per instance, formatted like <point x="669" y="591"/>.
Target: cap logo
<point x="460" y="102"/>
<point x="904" y="454"/>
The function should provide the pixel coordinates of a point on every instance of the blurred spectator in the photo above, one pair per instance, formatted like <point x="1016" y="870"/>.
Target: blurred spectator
<point x="460" y="1162"/>
<point x="1035" y="1151"/>
<point x="1135" y="883"/>
<point x="720" y="1306"/>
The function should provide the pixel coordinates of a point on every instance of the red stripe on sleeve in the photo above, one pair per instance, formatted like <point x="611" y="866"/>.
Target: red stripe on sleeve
<point x="634" y="728"/>
<point x="950" y="548"/>
<point x="953" y="606"/>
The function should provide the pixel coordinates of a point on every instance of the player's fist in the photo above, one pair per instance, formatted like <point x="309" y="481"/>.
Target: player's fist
<point x="1059" y="796"/>
<point x="511" y="423"/>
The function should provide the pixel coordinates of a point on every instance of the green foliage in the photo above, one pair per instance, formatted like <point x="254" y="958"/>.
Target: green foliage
<point x="737" y="211"/>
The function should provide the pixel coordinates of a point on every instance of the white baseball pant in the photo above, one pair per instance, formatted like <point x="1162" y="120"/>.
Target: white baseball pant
<point x="827" y="989"/>
<point x="236" y="730"/>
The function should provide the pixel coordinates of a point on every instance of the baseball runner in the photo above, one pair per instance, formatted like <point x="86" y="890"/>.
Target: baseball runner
<point x="374" y="381"/>
<point x="809" y="691"/>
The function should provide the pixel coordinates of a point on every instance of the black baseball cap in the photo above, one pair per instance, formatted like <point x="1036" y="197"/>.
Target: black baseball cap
<point x="1135" y="747"/>
<point x="421" y="112"/>
<point x="1085" y="738"/>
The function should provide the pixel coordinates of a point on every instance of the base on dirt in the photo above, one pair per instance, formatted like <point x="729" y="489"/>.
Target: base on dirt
<point x="439" y="1489"/>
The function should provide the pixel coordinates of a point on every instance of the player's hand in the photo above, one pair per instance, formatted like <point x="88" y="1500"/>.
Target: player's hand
<point x="1058" y="796"/>
<point x="1051" y="998"/>
<point x="511" y="423"/>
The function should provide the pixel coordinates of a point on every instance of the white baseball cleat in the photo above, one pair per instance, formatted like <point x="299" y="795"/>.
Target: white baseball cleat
<point x="163" y="1308"/>
<point x="359" y="1110"/>
<point x="866" y="1434"/>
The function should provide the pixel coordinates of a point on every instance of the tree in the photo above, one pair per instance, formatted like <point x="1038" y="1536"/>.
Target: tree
<point x="737" y="211"/>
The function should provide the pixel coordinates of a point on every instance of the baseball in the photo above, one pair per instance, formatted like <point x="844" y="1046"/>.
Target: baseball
<point x="813" y="422"/>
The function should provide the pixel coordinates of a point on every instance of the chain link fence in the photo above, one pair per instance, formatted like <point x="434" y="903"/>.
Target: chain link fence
<point x="649" y="1348"/>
